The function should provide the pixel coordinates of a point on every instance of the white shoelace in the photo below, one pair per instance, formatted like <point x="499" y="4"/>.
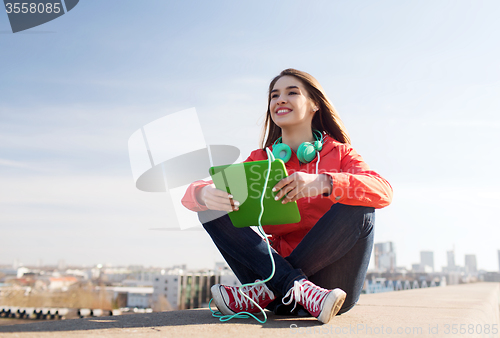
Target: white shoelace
<point x="257" y="290"/>
<point x="306" y="294"/>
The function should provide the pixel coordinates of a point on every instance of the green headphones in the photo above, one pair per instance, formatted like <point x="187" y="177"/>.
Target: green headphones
<point x="306" y="151"/>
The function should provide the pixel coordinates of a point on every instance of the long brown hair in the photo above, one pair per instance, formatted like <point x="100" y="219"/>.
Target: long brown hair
<point x="326" y="119"/>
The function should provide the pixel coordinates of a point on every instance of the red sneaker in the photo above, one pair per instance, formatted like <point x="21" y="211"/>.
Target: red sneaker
<point x="229" y="301"/>
<point x="321" y="303"/>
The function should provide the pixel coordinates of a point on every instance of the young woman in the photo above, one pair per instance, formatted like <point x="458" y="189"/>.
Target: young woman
<point x="321" y="261"/>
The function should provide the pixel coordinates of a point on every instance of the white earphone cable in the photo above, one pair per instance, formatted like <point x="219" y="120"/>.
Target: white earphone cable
<point x="317" y="163"/>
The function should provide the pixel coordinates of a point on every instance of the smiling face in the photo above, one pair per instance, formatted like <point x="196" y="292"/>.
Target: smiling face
<point x="290" y="105"/>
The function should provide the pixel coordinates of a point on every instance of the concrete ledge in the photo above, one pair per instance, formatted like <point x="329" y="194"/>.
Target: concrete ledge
<point x="472" y="309"/>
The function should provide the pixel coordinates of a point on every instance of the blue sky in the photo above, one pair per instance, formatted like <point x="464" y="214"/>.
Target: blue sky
<point x="416" y="83"/>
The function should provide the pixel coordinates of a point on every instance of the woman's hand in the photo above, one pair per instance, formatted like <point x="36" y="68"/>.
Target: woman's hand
<point x="299" y="185"/>
<point x="216" y="199"/>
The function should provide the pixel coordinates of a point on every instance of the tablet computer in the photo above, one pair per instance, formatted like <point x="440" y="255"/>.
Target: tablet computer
<point x="245" y="181"/>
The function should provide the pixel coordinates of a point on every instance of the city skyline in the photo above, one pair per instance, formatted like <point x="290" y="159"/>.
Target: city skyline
<point x="416" y="89"/>
<point x="384" y="256"/>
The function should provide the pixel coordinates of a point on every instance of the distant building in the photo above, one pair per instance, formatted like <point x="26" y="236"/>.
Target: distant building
<point x="492" y="277"/>
<point x="416" y="267"/>
<point x="195" y="289"/>
<point x="385" y="256"/>
<point x="131" y="297"/>
<point x="227" y="277"/>
<point x="470" y="264"/>
<point x="166" y="290"/>
<point x="114" y="275"/>
<point x="219" y="266"/>
<point x="421" y="268"/>
<point x="178" y="289"/>
<point x="453" y="277"/>
<point x="427" y="260"/>
<point x="61" y="283"/>
<point x="451" y="260"/>
<point x="140" y="297"/>
<point x="21" y="271"/>
<point x="143" y="277"/>
<point x="83" y="274"/>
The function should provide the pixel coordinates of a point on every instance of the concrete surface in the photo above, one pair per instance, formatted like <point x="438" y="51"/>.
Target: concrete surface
<point x="432" y="312"/>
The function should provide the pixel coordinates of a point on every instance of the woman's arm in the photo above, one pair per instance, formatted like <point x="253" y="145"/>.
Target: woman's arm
<point x="197" y="198"/>
<point x="190" y="199"/>
<point x="356" y="184"/>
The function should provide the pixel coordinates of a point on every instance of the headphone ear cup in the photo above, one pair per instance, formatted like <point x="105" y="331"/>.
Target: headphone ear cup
<point x="306" y="152"/>
<point x="282" y="151"/>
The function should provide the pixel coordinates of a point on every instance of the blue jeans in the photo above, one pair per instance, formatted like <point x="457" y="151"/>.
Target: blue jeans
<point x="334" y="254"/>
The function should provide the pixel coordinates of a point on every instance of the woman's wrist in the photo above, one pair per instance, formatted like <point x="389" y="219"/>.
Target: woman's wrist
<point x="199" y="196"/>
<point x="327" y="185"/>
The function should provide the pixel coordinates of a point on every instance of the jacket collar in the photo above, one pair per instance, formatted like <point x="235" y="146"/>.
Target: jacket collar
<point x="329" y="144"/>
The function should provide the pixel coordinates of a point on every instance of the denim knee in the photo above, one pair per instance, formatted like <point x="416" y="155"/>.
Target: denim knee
<point x="211" y="215"/>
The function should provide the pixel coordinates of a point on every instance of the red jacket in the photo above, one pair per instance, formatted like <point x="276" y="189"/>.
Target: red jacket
<point x="353" y="184"/>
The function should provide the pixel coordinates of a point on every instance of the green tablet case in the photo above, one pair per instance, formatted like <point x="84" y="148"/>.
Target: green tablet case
<point x="245" y="181"/>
